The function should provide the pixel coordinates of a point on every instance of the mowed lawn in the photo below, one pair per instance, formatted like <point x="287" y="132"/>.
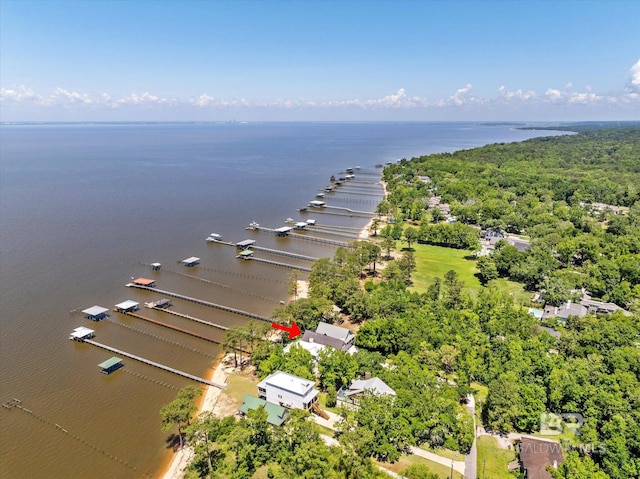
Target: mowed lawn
<point x="434" y="261"/>
<point x="493" y="461"/>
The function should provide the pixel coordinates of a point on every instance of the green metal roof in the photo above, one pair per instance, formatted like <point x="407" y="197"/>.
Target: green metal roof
<point x="276" y="414"/>
<point x="246" y="252"/>
<point x="109" y="363"/>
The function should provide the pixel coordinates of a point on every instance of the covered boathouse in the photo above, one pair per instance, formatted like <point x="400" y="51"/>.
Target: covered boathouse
<point x="96" y="313"/>
<point x="245" y="254"/>
<point x="244" y="244"/>
<point x="149" y="283"/>
<point x="191" y="262"/>
<point x="81" y="333"/>
<point x="110" y="365"/>
<point x="127" y="306"/>
<point x="283" y="230"/>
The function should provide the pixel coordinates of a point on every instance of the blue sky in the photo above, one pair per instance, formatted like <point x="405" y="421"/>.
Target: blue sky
<point x="324" y="60"/>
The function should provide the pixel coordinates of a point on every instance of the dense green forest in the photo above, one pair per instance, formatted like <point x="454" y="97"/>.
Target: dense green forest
<point x="577" y="198"/>
<point x="436" y="347"/>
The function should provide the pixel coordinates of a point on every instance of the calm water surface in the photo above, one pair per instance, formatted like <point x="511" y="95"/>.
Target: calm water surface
<point x="84" y="207"/>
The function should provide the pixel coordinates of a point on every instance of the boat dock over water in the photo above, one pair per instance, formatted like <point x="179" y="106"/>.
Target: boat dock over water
<point x="153" y="363"/>
<point x="284" y="253"/>
<point x="191" y="318"/>
<point x="202" y="302"/>
<point x="250" y="257"/>
<point x="174" y="328"/>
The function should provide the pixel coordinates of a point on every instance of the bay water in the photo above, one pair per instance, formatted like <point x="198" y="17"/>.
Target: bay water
<point x="84" y="208"/>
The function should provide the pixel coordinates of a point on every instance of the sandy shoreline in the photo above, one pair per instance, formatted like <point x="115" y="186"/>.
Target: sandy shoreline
<point x="180" y="460"/>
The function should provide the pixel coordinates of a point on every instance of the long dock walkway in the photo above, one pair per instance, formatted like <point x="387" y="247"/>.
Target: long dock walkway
<point x="283" y="253"/>
<point x="191" y="318"/>
<point x="174" y="328"/>
<point x="157" y="365"/>
<point x="353" y="212"/>
<point x="201" y="302"/>
<point x="278" y="263"/>
<point x="315" y="239"/>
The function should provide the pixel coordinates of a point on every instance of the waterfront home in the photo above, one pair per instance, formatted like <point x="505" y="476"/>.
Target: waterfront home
<point x="329" y="335"/>
<point x="288" y="391"/>
<point x="311" y="346"/>
<point x="276" y="414"/>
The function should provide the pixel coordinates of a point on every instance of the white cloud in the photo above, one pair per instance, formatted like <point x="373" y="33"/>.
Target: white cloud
<point x="460" y="96"/>
<point x="20" y="94"/>
<point x="552" y="94"/>
<point x="517" y="95"/>
<point x="506" y="100"/>
<point x="145" y="99"/>
<point x="633" y="86"/>
<point x="60" y="96"/>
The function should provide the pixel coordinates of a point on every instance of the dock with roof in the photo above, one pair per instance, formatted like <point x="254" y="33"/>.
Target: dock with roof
<point x="191" y="262"/>
<point x="96" y="313"/>
<point x="110" y="365"/>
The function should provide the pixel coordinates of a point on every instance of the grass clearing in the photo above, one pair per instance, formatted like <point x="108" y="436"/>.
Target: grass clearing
<point x="434" y="261"/>
<point x="492" y="460"/>
<point x="520" y="296"/>
<point x="405" y="461"/>
<point x="239" y="385"/>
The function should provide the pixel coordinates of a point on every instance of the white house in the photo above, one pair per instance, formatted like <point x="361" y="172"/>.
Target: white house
<point x="288" y="391"/>
<point x="313" y="348"/>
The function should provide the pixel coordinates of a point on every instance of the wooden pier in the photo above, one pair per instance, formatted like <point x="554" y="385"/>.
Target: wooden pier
<point x="315" y="239"/>
<point x="157" y="365"/>
<point x="186" y="316"/>
<point x="283" y="253"/>
<point x="174" y="328"/>
<point x="353" y="212"/>
<point x="277" y="263"/>
<point x="203" y="303"/>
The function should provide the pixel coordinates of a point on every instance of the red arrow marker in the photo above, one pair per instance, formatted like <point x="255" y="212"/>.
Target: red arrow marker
<point x="293" y="330"/>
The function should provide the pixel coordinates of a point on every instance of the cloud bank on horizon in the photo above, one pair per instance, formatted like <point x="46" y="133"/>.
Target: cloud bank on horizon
<point x="73" y="60"/>
<point x="509" y="102"/>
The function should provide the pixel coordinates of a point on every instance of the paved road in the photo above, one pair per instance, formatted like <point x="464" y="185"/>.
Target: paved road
<point x="458" y="466"/>
<point x="471" y="460"/>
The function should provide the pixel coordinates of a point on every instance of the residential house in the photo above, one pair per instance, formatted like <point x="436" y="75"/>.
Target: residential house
<point x="537" y="455"/>
<point x="350" y="397"/>
<point x="331" y="335"/>
<point x="288" y="391"/>
<point x="276" y="415"/>
<point x="564" y="311"/>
